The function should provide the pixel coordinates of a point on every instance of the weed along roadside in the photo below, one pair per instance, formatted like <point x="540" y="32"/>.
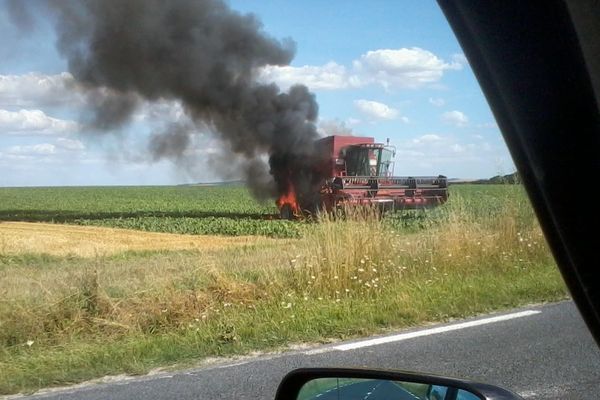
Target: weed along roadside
<point x="66" y="318"/>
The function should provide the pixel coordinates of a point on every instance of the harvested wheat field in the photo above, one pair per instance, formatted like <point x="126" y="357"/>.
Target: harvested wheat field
<point x="84" y="241"/>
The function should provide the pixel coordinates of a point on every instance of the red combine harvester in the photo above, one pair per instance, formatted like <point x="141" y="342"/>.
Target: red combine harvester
<point x="358" y="171"/>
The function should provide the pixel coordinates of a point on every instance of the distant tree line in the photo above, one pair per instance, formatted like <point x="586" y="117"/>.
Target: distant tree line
<point x="510" y="179"/>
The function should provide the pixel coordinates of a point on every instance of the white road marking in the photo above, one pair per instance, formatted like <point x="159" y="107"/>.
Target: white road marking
<point x="318" y="351"/>
<point x="431" y="331"/>
<point x="237" y="364"/>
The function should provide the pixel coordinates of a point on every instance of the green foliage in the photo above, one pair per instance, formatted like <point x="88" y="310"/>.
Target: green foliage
<point x="483" y="205"/>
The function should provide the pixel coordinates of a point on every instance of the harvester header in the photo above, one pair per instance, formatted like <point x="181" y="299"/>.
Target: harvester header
<point x="354" y="170"/>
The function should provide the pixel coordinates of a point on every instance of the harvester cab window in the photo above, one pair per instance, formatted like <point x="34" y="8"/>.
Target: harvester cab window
<point x="385" y="163"/>
<point x="364" y="161"/>
<point x="358" y="161"/>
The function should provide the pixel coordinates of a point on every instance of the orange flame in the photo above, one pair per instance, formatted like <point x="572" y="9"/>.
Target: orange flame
<point x="289" y="198"/>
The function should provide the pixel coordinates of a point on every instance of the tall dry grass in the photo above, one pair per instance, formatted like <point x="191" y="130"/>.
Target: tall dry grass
<point x="357" y="256"/>
<point x="345" y="276"/>
<point x="363" y="253"/>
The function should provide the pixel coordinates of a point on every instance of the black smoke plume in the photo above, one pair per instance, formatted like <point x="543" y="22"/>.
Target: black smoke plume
<point x="202" y="54"/>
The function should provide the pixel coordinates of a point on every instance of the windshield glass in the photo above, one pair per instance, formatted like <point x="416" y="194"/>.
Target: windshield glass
<point x="385" y="167"/>
<point x="362" y="161"/>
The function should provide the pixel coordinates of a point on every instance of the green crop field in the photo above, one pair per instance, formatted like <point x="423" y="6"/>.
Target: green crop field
<point x="225" y="210"/>
<point x="68" y="316"/>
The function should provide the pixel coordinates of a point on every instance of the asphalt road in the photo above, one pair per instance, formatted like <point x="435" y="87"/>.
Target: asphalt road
<point x="546" y="353"/>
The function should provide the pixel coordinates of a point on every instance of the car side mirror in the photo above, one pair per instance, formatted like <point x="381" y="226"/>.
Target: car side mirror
<point x="354" y="384"/>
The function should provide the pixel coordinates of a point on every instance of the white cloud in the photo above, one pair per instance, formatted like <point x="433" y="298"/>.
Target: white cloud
<point x="328" y="127"/>
<point x="326" y="77"/>
<point x="429" y="138"/>
<point x="456" y="118"/>
<point x="63" y="149"/>
<point x="438" y="102"/>
<point x="404" y="154"/>
<point x="457" y="148"/>
<point x="161" y="111"/>
<point x="33" y="122"/>
<point x="36" y="89"/>
<point x="41" y="149"/>
<point x="404" y="68"/>
<point x="459" y="58"/>
<point x="70" y="144"/>
<point x="375" y="109"/>
<point x="433" y="154"/>
<point x="444" y="146"/>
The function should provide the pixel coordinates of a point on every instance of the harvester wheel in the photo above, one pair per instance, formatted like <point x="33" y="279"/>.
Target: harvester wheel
<point x="286" y="212"/>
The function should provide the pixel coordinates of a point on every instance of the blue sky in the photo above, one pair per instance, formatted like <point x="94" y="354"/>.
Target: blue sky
<point x="388" y="69"/>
